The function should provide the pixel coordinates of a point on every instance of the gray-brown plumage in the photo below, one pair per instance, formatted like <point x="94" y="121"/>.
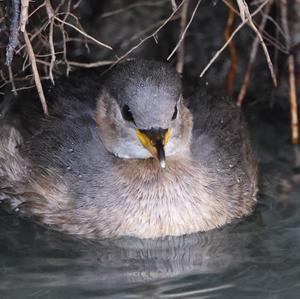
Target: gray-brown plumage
<point x="126" y="155"/>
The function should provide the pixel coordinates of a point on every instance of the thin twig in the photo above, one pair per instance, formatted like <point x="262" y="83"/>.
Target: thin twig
<point x="232" y="52"/>
<point x="23" y="79"/>
<point x="49" y="54"/>
<point x="166" y="21"/>
<point x="276" y="25"/>
<point x="185" y="30"/>
<point x="131" y="6"/>
<point x="150" y="28"/>
<point x="276" y="62"/>
<point x="65" y="38"/>
<point x="83" y="33"/>
<point x="32" y="37"/>
<point x="12" y="81"/>
<point x="50" y="13"/>
<point x="230" y="38"/>
<point x="246" y="13"/>
<point x="35" y="72"/>
<point x="180" y="52"/>
<point x="253" y="52"/>
<point x="67" y="14"/>
<point x="293" y="100"/>
<point x="92" y="64"/>
<point x="291" y="75"/>
<point x="174" y="5"/>
<point x="28" y="16"/>
<point x="24" y="14"/>
<point x="266" y="35"/>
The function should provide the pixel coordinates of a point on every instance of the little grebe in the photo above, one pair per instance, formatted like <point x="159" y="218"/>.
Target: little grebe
<point x="125" y="154"/>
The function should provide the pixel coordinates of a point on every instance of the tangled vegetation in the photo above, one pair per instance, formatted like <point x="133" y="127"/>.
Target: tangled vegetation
<point x="45" y="39"/>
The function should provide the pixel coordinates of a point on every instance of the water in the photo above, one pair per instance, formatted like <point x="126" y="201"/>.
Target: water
<point x="256" y="258"/>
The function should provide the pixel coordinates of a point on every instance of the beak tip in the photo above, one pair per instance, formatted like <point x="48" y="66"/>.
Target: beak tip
<point x="162" y="164"/>
<point x="154" y="140"/>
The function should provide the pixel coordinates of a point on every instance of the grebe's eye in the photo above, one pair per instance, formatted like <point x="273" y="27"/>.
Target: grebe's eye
<point x="126" y="113"/>
<point x="175" y="113"/>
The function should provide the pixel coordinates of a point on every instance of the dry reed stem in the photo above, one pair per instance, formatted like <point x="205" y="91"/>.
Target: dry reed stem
<point x="232" y="51"/>
<point x="291" y="75"/>
<point x="31" y="55"/>
<point x="65" y="37"/>
<point x="174" y="4"/>
<point x="35" y="72"/>
<point x="24" y="14"/>
<point x="230" y="38"/>
<point x="185" y="29"/>
<point x="293" y="100"/>
<point x="253" y="52"/>
<point x="267" y="37"/>
<point x="53" y="56"/>
<point x="180" y="52"/>
<point x="247" y="14"/>
<point x="243" y="7"/>
<point x="50" y="13"/>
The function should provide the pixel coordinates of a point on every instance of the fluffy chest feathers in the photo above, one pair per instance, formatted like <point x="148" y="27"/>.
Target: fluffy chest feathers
<point x="179" y="199"/>
<point x="139" y="198"/>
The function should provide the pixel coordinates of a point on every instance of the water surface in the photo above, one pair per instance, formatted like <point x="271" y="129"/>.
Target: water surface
<point x="256" y="258"/>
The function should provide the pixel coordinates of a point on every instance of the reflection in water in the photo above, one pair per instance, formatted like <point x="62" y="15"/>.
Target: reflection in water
<point x="258" y="258"/>
<point x="38" y="258"/>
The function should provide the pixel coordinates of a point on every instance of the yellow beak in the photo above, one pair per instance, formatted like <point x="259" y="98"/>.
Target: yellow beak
<point x="154" y="141"/>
